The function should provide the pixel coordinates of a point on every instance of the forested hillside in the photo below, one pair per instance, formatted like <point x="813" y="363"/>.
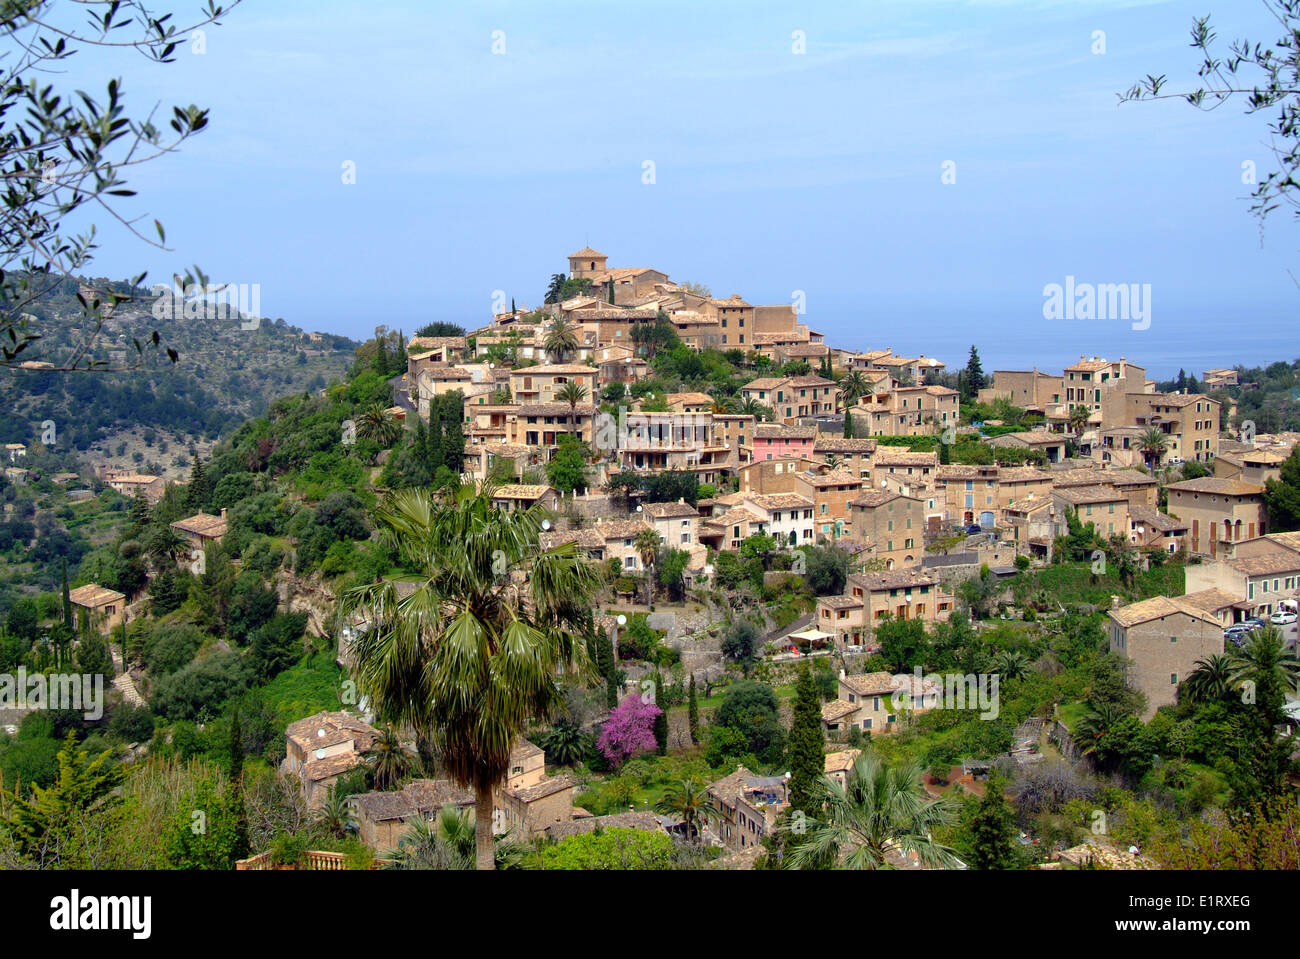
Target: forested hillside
<point x="223" y="375"/>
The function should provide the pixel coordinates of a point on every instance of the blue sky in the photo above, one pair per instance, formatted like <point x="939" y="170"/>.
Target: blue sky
<point x="774" y="171"/>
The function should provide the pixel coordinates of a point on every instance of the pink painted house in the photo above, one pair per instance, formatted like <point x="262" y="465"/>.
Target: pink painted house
<point x="772" y="441"/>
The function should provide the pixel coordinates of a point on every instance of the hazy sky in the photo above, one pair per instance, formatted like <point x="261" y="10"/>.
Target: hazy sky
<point x="774" y="171"/>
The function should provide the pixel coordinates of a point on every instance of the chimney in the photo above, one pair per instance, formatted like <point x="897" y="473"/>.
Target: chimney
<point x="1114" y="602"/>
<point x="223" y="512"/>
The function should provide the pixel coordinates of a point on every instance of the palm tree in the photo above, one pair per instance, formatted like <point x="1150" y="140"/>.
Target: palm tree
<point x="853" y="386"/>
<point x="1152" y="444"/>
<point x="573" y="393"/>
<point x="689" y="801"/>
<point x="647" y="547"/>
<point x="1012" y="665"/>
<point x="445" y="843"/>
<point x="166" y="546"/>
<point x="564" y="744"/>
<point x="880" y="810"/>
<point x="391" y="762"/>
<point x="752" y="407"/>
<point x="1092" y="731"/>
<point x="561" y="340"/>
<point x="475" y="650"/>
<point x="1079" y="419"/>
<point x="375" y="424"/>
<point x="335" y="815"/>
<point x="1265" y="662"/>
<point x="1210" y="681"/>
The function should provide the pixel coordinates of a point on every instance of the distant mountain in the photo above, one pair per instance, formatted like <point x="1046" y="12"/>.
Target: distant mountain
<point x="225" y="374"/>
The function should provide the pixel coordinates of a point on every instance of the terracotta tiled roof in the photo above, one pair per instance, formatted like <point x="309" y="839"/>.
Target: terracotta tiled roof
<point x="892" y="579"/>
<point x="518" y="491"/>
<point x="1217" y="485"/>
<point x="1210" y="599"/>
<point x="837" y="709"/>
<point x="1082" y="495"/>
<point x="774" y="431"/>
<point x="670" y="510"/>
<point x="202" y="524"/>
<point x="1157" y="607"/>
<point x="1283" y="561"/>
<point x="870" y="684"/>
<point x="841" y="761"/>
<point x="93" y="595"/>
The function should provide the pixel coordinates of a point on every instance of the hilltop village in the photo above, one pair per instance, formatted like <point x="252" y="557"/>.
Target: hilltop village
<point x="815" y="563"/>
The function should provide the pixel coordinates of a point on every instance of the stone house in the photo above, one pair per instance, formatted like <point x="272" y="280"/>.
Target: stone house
<point x="106" y="608"/>
<point x="1164" y="638"/>
<point x="748" y="806"/>
<point x="322" y="747"/>
<point x="894" y="525"/>
<point x="514" y="497"/>
<point x="202" y="529"/>
<point x="1105" y="507"/>
<point x="1219" y="511"/>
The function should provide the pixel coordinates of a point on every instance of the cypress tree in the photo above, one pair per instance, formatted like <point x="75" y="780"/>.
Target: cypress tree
<point x="139" y="512"/>
<point x="236" y="748"/>
<point x="399" y="361"/>
<point x="434" y="452"/>
<point x="611" y="291"/>
<point x="806" y="743"/>
<point x="608" y="668"/>
<point x="993" y="829"/>
<point x="196" y="494"/>
<point x="67" y="598"/>
<point x="974" y="381"/>
<point x="241" y="846"/>
<point x="848" y="425"/>
<point x="453" y="437"/>
<point x="693" y="713"/>
<point x="661" y="721"/>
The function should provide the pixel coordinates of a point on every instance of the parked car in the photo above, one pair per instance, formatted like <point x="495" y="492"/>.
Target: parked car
<point x="1236" y="635"/>
<point x="1254" y="623"/>
<point x="974" y="529"/>
<point x="1283" y="617"/>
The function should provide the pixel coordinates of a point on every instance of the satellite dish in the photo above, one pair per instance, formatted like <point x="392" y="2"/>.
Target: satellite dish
<point x="320" y="754"/>
<point x="622" y="620"/>
<point x="546" y="524"/>
<point x="320" y="733"/>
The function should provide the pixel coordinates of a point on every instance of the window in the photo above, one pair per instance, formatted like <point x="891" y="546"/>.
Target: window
<point x="1173" y="679"/>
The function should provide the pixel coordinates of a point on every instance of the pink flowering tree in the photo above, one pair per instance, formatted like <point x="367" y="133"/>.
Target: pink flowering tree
<point x="629" y="730"/>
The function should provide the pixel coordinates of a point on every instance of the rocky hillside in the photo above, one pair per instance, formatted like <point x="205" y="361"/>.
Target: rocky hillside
<point x="227" y="371"/>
